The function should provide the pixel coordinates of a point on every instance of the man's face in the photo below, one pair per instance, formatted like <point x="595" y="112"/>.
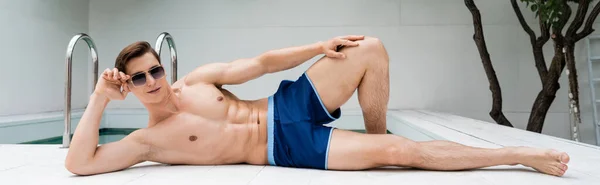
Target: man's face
<point x="143" y="84"/>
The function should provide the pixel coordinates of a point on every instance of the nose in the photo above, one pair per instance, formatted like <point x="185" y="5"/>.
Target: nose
<point x="150" y="81"/>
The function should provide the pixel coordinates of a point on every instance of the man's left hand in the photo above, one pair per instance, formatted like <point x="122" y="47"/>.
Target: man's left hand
<point x="330" y="47"/>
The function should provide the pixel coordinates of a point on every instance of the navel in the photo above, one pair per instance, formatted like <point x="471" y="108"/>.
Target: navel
<point x="193" y="138"/>
<point x="220" y="98"/>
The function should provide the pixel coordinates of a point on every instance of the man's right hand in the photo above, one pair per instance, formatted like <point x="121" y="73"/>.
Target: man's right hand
<point x="110" y="83"/>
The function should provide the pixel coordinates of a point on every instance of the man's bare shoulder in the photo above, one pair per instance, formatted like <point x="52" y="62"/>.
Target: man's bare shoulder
<point x="185" y="82"/>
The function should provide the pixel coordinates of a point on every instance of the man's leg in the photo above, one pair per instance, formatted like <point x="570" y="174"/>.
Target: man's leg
<point x="354" y="151"/>
<point x="366" y="68"/>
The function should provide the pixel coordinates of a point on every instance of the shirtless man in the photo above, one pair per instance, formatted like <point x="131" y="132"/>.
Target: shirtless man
<point x="197" y="122"/>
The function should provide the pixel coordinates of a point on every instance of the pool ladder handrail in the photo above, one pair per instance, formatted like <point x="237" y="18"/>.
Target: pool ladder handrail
<point x="173" y="51"/>
<point x="66" y="139"/>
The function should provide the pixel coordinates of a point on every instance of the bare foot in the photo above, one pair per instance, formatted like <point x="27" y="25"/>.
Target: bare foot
<point x="543" y="160"/>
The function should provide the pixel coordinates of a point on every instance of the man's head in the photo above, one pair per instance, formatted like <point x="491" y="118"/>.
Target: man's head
<point x="142" y="64"/>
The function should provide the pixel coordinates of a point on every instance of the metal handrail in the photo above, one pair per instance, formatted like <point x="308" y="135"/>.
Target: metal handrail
<point x="173" y="50"/>
<point x="67" y="132"/>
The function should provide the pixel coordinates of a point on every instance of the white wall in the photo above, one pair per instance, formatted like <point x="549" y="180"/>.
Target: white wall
<point x="434" y="61"/>
<point x="35" y="34"/>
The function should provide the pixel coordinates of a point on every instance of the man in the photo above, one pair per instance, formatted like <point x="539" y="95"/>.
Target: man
<point x="195" y="121"/>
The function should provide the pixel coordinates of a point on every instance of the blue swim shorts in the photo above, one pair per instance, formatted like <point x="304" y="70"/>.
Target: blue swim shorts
<point x="296" y="116"/>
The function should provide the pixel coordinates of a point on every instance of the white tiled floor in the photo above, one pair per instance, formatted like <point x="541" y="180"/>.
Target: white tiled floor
<point x="44" y="164"/>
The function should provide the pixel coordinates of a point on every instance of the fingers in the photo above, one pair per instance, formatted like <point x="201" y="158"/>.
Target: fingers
<point x="124" y="84"/>
<point x="106" y="73"/>
<point x="349" y="43"/>
<point x="125" y="91"/>
<point x="126" y="87"/>
<point x="339" y="42"/>
<point x="123" y="77"/>
<point x="115" y="74"/>
<point x="333" y="54"/>
<point x="353" y="37"/>
<point x="345" y="42"/>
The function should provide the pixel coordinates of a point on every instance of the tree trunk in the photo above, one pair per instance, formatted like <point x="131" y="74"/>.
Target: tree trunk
<point x="540" y="61"/>
<point x="496" y="112"/>
<point x="573" y="82"/>
<point x="546" y="96"/>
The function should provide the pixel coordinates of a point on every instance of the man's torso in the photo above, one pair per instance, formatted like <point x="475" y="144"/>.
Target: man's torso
<point x="212" y="127"/>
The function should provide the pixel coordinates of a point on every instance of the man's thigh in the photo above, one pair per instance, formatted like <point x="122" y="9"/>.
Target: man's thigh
<point x="336" y="79"/>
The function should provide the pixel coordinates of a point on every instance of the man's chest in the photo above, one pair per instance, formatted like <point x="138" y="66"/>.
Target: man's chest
<point x="204" y="100"/>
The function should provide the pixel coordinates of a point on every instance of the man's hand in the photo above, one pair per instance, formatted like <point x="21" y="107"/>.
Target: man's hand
<point x="110" y="84"/>
<point x="330" y="47"/>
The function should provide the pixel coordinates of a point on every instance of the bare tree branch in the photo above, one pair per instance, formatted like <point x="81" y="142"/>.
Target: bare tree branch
<point x="496" y="112"/>
<point x="545" y="29"/>
<point x="538" y="51"/>
<point x="537" y="44"/>
<point x="564" y="19"/>
<point x="579" y="17"/>
<point x="522" y="21"/>
<point x="587" y="29"/>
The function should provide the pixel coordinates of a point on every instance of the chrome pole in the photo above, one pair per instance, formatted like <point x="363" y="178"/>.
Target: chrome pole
<point x="173" y="50"/>
<point x="67" y="132"/>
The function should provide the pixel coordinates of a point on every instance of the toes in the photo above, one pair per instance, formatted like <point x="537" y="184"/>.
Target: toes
<point x="561" y="173"/>
<point x="564" y="158"/>
<point x="557" y="171"/>
<point x="560" y="169"/>
<point x="563" y="167"/>
<point x="561" y="156"/>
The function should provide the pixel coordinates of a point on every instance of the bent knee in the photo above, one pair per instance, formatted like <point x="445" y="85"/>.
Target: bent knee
<point x="371" y="41"/>
<point x="373" y="48"/>
<point x="372" y="44"/>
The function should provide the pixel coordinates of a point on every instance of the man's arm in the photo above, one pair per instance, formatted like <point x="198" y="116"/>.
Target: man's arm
<point x="243" y="70"/>
<point x="85" y="158"/>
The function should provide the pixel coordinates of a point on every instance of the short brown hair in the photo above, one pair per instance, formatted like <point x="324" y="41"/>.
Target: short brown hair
<point x="132" y="51"/>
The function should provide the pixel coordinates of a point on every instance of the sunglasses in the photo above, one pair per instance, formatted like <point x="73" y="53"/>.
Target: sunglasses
<point x="139" y="79"/>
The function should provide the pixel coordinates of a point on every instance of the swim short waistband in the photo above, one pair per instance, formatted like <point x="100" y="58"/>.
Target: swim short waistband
<point x="270" y="131"/>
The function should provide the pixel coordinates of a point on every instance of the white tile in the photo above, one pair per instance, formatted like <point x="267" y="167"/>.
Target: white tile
<point x="524" y="175"/>
<point x="40" y="32"/>
<point x="438" y="88"/>
<point x="222" y="173"/>
<point x="180" y="174"/>
<point x="35" y="131"/>
<point x="454" y="12"/>
<point x="555" y="124"/>
<point x="285" y="175"/>
<point x="127" y="121"/>
<point x="230" y="13"/>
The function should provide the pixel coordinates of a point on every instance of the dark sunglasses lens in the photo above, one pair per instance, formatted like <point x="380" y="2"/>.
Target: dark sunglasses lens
<point x="157" y="73"/>
<point x="139" y="79"/>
